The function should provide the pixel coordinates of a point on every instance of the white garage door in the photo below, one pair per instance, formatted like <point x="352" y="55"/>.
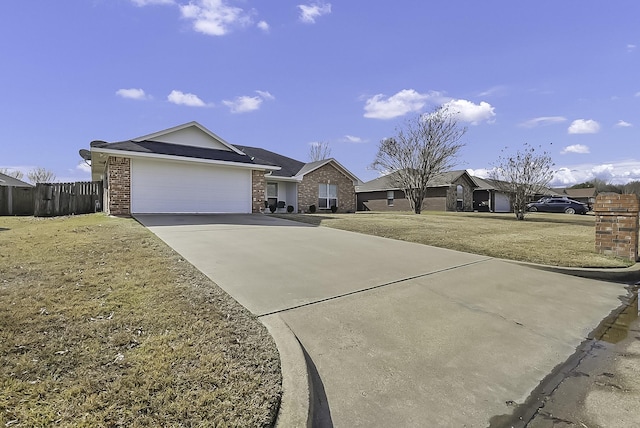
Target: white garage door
<point x="159" y="186"/>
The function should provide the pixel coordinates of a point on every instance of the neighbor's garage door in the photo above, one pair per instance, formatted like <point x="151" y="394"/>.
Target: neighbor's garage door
<point x="160" y="186"/>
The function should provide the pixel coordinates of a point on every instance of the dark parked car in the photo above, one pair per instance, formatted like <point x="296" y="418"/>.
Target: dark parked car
<point x="558" y="205"/>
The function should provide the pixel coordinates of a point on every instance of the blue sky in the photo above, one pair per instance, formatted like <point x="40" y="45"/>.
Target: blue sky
<point x="284" y="74"/>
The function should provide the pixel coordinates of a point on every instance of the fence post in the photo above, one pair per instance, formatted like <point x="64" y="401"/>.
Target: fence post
<point x="617" y="225"/>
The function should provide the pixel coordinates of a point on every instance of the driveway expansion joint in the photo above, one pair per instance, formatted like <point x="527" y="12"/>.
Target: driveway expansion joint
<point x="375" y="287"/>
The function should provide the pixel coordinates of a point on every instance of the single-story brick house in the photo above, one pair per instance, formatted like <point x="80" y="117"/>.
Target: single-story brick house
<point x="189" y="169"/>
<point x="449" y="191"/>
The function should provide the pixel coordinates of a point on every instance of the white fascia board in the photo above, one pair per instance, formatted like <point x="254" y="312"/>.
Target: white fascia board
<point x="287" y="179"/>
<point x="127" y="154"/>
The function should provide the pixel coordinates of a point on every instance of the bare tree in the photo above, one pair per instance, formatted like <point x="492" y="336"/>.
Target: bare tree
<point x="12" y="173"/>
<point x="523" y="175"/>
<point x="319" y="151"/>
<point x="425" y="146"/>
<point x="40" y="175"/>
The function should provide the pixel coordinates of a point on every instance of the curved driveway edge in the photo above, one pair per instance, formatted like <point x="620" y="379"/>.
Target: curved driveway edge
<point x="627" y="275"/>
<point x="294" y="405"/>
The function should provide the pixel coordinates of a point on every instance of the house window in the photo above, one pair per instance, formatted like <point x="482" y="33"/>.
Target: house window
<point x="389" y="198"/>
<point x="327" y="196"/>
<point x="272" y="193"/>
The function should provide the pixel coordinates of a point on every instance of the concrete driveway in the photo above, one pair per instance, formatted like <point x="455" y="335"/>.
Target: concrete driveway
<point x="401" y="334"/>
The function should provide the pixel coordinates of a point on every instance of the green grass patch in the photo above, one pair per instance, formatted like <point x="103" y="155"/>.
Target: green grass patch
<point x="550" y="239"/>
<point x="101" y="324"/>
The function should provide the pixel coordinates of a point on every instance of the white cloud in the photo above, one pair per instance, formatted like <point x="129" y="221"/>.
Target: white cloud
<point x="622" y="124"/>
<point x="214" y="17"/>
<point x="575" y="148"/>
<point x="180" y="98"/>
<point x="266" y="95"/>
<point x="132" y="93"/>
<point x="584" y="126"/>
<point x="494" y="91"/>
<point x="467" y="111"/>
<point x="263" y="25"/>
<point x="631" y="47"/>
<point x="619" y="172"/>
<point x="84" y="167"/>
<point x="637" y="94"/>
<point x="479" y="172"/>
<point x="352" y="139"/>
<point x="403" y="102"/>
<point x="141" y="3"/>
<point x="543" y="121"/>
<point x="243" y="104"/>
<point x="309" y="12"/>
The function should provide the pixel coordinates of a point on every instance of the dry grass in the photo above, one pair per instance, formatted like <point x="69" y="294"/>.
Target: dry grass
<point x="102" y="325"/>
<point x="551" y="239"/>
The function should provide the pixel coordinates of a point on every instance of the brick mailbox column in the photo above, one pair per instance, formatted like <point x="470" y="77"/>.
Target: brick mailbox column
<point x="617" y="225"/>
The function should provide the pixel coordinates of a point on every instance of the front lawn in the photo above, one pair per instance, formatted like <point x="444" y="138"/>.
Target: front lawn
<point x="101" y="324"/>
<point x="551" y="239"/>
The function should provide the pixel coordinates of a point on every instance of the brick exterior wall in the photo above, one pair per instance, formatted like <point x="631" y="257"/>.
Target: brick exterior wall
<point x="258" y="189"/>
<point x="119" y="186"/>
<point x="308" y="188"/>
<point x="617" y="225"/>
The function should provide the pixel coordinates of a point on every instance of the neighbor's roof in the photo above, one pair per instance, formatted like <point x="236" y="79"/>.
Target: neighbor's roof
<point x="588" y="192"/>
<point x="388" y="182"/>
<point x="7" y="180"/>
<point x="154" y="147"/>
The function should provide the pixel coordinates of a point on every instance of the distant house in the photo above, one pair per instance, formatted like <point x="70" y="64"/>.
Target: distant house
<point x="586" y="195"/>
<point x="489" y="198"/>
<point x="449" y="191"/>
<point x="189" y="169"/>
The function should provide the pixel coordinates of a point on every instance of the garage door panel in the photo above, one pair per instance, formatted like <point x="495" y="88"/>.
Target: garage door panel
<point x="180" y="187"/>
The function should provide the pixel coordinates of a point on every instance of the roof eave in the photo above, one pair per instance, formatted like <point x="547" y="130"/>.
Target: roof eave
<point x="126" y="153"/>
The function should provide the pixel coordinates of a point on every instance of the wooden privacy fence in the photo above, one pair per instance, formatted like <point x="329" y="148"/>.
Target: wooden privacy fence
<point x="55" y="199"/>
<point x="16" y="200"/>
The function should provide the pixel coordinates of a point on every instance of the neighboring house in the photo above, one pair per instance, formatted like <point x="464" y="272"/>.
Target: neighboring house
<point x="488" y="197"/>
<point x="189" y="169"/>
<point x="449" y="191"/>
<point x="586" y="195"/>
<point x="7" y="180"/>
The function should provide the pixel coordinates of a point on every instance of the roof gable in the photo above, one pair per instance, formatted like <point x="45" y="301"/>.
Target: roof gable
<point x="189" y="134"/>
<point x="312" y="166"/>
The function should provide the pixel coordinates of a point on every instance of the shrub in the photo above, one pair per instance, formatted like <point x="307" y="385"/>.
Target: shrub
<point x="289" y="208"/>
<point x="334" y="208"/>
<point x="272" y="208"/>
<point x="312" y="209"/>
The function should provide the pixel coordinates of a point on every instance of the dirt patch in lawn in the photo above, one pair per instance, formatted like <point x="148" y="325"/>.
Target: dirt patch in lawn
<point x="101" y="324"/>
<point x="550" y="239"/>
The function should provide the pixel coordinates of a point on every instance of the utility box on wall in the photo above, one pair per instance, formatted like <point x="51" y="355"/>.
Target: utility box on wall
<point x="617" y="225"/>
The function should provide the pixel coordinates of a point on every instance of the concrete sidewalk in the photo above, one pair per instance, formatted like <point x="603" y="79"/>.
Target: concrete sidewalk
<point x="400" y="334"/>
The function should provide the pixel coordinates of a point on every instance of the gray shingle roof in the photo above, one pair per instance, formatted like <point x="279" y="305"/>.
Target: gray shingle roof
<point x="289" y="167"/>
<point x="7" y="180"/>
<point x="156" y="147"/>
<point x="387" y="182"/>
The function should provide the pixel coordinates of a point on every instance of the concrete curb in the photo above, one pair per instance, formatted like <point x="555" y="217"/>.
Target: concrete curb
<point x="630" y="274"/>
<point x="294" y="408"/>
